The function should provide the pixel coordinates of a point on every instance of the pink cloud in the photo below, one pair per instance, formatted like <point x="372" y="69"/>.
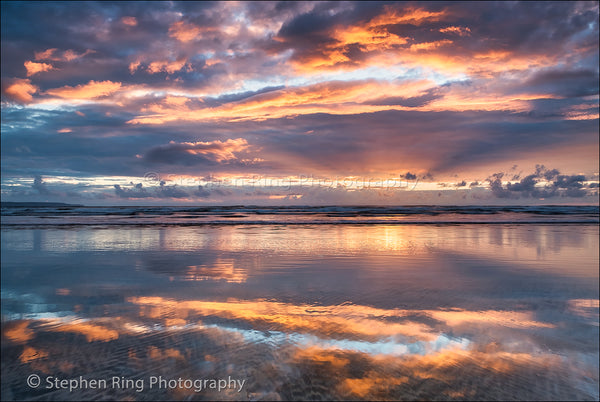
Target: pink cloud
<point x="130" y="21"/>
<point x="47" y="54"/>
<point x="184" y="32"/>
<point x="34" y="68"/>
<point x="67" y="55"/>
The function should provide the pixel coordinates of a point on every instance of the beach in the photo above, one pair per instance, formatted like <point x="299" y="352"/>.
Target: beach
<point x="306" y="311"/>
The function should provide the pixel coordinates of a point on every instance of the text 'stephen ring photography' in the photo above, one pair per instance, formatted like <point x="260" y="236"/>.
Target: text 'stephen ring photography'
<point x="294" y="200"/>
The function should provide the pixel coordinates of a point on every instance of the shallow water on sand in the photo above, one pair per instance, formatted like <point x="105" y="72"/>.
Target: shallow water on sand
<point x="301" y="312"/>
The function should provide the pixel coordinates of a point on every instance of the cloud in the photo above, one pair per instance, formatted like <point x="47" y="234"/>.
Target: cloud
<point x="34" y="68"/>
<point x="335" y="97"/>
<point x="20" y="90"/>
<point x="40" y="186"/>
<point x="201" y="192"/>
<point x="413" y="101"/>
<point x="184" y="32"/>
<point x="47" y="54"/>
<point x="54" y="55"/>
<point x="543" y="183"/>
<point x="136" y="191"/>
<point x="91" y="90"/>
<point x="564" y="82"/>
<point x="197" y="152"/>
<point x="173" y="191"/>
<point x="167" y="66"/>
<point x="317" y="88"/>
<point x="443" y="36"/>
<point x="460" y="31"/>
<point x="129" y="21"/>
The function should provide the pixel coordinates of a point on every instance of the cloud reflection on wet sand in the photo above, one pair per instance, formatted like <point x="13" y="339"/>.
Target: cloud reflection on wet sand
<point x="406" y="313"/>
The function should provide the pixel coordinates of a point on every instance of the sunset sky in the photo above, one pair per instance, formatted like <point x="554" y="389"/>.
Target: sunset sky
<point x="108" y="103"/>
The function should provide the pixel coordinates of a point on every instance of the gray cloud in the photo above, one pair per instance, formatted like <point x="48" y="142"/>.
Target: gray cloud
<point x="40" y="186"/>
<point x="136" y="191"/>
<point x="164" y="191"/>
<point x="557" y="185"/>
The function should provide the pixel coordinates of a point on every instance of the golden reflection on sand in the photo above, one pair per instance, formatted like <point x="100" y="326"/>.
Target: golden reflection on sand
<point x="511" y="319"/>
<point x="219" y="270"/>
<point x="349" y="372"/>
<point x="530" y="245"/>
<point x="346" y="319"/>
<point x="17" y="331"/>
<point x="90" y="331"/>
<point x="30" y="354"/>
<point x="356" y="320"/>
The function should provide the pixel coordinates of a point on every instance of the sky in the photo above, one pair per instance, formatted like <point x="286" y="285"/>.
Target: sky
<point x="300" y="103"/>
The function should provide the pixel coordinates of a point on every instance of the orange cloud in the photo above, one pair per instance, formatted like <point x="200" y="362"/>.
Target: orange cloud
<point x="330" y="97"/>
<point x="429" y="45"/>
<point x="345" y="97"/>
<point x="34" y="68"/>
<point x="21" y="90"/>
<point x="460" y="31"/>
<point x="184" y="32"/>
<point x="163" y="66"/>
<point x="91" y="90"/>
<point x="176" y="100"/>
<point x="375" y="43"/>
<point x="218" y="150"/>
<point x="130" y="21"/>
<point x="67" y="55"/>
<point x="414" y="16"/>
<point x="371" y="37"/>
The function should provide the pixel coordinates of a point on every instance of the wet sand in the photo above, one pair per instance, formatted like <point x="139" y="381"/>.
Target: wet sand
<point x="430" y="312"/>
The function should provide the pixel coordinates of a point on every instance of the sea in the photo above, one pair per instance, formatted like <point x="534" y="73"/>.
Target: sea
<point x="299" y="303"/>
